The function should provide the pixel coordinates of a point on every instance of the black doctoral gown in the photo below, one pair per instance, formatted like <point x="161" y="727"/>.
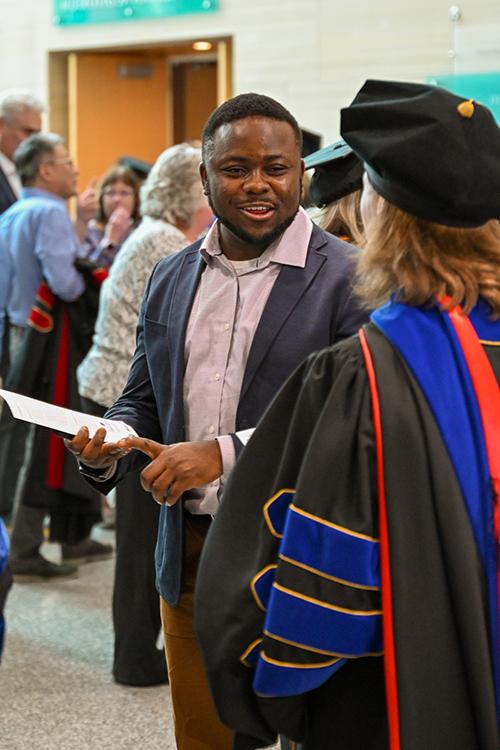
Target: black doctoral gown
<point x="316" y="442"/>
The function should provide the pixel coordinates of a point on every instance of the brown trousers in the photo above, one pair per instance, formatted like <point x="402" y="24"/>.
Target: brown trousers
<point x="197" y="726"/>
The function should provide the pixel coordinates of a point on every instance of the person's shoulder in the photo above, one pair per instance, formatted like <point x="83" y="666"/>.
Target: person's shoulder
<point x="46" y="210"/>
<point x="332" y="245"/>
<point x="159" y="232"/>
<point x="346" y="351"/>
<point x="172" y="263"/>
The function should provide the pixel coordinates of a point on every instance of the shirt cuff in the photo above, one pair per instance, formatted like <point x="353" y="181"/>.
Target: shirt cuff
<point x="98" y="475"/>
<point x="228" y="454"/>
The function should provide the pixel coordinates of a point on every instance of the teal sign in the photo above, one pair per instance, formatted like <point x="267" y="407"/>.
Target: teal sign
<point x="71" y="12"/>
<point x="483" y="87"/>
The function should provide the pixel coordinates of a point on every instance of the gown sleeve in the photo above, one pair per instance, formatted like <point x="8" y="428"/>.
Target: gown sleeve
<point x="288" y="587"/>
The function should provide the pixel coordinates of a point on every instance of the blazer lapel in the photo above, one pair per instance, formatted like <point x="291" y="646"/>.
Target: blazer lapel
<point x="183" y="293"/>
<point x="289" y="288"/>
<point x="6" y="188"/>
<point x="180" y="307"/>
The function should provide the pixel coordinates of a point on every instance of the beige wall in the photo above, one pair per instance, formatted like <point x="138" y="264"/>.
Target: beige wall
<point x="310" y="54"/>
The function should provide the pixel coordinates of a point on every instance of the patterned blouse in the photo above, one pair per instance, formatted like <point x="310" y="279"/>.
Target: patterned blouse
<point x="103" y="373"/>
<point x="97" y="249"/>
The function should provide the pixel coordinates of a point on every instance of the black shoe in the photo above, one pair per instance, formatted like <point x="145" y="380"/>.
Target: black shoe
<point x="40" y="569"/>
<point x="88" y="550"/>
<point x="147" y="671"/>
<point x="150" y="681"/>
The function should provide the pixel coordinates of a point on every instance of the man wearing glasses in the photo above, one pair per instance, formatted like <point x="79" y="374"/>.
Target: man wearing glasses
<point x="38" y="243"/>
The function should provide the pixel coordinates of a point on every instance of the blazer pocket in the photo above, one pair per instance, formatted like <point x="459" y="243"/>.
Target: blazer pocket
<point x="154" y="327"/>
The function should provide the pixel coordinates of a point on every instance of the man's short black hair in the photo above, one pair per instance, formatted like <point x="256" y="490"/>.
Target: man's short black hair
<point x="240" y="107"/>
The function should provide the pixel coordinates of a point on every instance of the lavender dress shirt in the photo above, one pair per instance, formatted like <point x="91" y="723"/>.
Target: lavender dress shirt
<point x="226" y="311"/>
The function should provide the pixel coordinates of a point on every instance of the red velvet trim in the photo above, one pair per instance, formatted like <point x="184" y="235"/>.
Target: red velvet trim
<point x="40" y="320"/>
<point x="99" y="275"/>
<point x="45" y="295"/>
<point x="391" y="685"/>
<point x="55" y="464"/>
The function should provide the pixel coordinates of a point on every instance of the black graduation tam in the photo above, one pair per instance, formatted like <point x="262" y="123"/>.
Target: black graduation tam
<point x="431" y="153"/>
<point x="139" y="167"/>
<point x="310" y="142"/>
<point x="337" y="172"/>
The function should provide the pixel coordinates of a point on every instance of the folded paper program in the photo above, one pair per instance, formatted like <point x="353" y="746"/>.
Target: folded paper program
<point x="63" y="421"/>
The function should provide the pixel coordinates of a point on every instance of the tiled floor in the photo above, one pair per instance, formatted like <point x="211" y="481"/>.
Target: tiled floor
<point x="56" y="690"/>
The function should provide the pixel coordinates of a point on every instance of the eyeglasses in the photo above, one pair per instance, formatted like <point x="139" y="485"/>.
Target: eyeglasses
<point x="118" y="193"/>
<point x="68" y="162"/>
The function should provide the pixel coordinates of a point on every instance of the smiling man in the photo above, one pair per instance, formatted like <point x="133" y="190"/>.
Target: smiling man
<point x="223" y="324"/>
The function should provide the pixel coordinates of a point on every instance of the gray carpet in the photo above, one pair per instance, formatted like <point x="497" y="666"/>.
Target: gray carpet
<point x="56" y="689"/>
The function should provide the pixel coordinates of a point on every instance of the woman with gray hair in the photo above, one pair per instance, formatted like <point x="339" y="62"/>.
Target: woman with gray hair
<point x="175" y="212"/>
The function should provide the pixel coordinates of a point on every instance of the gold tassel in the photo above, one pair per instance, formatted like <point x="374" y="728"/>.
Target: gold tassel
<point x="466" y="109"/>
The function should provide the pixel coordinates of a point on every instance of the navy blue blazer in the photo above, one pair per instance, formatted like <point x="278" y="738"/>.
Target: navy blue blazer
<point x="7" y="195"/>
<point x="308" y="308"/>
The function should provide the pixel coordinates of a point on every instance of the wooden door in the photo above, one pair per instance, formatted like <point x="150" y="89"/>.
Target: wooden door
<point x="117" y="107"/>
<point x="194" y="97"/>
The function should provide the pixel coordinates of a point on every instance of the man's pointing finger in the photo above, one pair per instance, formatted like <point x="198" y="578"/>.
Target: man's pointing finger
<point x="149" y="447"/>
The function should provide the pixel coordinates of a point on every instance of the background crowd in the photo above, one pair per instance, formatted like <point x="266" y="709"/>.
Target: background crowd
<point x="190" y="303"/>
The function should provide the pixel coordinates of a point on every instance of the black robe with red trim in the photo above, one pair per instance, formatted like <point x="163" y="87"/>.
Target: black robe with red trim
<point x="317" y="440"/>
<point x="57" y="338"/>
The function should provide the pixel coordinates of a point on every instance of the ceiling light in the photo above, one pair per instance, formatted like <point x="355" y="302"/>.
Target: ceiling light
<point x="202" y="46"/>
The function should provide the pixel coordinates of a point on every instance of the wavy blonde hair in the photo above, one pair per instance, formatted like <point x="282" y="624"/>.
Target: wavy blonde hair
<point x="417" y="259"/>
<point x="342" y="218"/>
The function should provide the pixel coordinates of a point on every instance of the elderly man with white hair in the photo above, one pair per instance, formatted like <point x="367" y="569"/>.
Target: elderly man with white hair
<point x="175" y="212"/>
<point x="20" y="117"/>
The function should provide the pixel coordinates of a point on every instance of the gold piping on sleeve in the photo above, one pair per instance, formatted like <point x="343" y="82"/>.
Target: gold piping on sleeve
<point x="314" y="650"/>
<point x="326" y="576"/>
<point x="265" y="511"/>
<point x="292" y="665"/>
<point x="334" y="607"/>
<point x="249" y="650"/>
<point x="254" y="580"/>
<point x="343" y="529"/>
<point x="489" y="343"/>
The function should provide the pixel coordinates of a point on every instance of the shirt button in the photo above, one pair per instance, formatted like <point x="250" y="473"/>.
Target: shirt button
<point x="226" y="326"/>
<point x="211" y="429"/>
<point x="217" y="376"/>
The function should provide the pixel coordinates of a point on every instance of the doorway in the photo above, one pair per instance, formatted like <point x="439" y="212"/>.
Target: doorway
<point x="194" y="90"/>
<point x="109" y="103"/>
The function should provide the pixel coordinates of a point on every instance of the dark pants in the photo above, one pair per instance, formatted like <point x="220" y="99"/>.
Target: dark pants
<point x="136" y="608"/>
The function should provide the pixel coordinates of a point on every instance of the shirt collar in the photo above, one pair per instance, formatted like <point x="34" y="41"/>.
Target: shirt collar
<point x="9" y="169"/>
<point x="290" y="249"/>
<point x="7" y="165"/>
<point x="31" y="192"/>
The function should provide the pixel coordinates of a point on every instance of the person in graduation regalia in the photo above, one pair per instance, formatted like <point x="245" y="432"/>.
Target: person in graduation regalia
<point x="335" y="191"/>
<point x="347" y="594"/>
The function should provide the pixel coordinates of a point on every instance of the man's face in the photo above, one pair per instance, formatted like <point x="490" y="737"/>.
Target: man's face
<point x="58" y="173"/>
<point x="253" y="177"/>
<point x="13" y="131"/>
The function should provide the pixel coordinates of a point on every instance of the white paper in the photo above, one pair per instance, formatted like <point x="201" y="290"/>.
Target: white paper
<point x="63" y="420"/>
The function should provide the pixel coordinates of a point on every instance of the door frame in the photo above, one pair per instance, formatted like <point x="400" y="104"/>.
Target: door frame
<point x="61" y="108"/>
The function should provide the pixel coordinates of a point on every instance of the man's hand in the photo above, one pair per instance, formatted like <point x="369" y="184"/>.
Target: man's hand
<point x="95" y="452"/>
<point x="119" y="223"/>
<point x="176" y="468"/>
